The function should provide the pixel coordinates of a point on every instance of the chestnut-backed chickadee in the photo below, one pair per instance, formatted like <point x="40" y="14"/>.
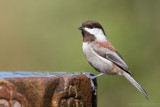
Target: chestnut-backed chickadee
<point x="102" y="56"/>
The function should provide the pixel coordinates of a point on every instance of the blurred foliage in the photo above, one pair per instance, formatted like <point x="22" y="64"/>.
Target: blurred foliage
<point x="42" y="36"/>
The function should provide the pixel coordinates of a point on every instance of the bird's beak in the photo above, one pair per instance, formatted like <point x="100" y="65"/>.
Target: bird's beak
<point x="80" y="28"/>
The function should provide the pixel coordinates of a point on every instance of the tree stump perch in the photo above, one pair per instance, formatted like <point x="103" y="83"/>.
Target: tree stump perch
<point x="27" y="89"/>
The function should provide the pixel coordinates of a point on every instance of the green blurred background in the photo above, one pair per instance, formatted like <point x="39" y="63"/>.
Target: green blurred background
<point x="42" y="35"/>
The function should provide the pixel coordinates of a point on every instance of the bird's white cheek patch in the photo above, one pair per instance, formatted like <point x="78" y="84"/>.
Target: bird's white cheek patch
<point x="98" y="33"/>
<point x="93" y="31"/>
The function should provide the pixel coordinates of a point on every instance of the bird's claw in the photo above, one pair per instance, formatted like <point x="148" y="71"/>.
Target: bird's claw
<point x="93" y="80"/>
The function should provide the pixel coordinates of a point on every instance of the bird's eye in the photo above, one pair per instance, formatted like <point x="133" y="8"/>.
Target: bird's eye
<point x="91" y="26"/>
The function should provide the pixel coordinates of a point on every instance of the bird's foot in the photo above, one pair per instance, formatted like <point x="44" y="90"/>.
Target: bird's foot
<point x="92" y="77"/>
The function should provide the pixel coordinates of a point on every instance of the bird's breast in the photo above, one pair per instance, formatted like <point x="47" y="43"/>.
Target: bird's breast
<point x="99" y="63"/>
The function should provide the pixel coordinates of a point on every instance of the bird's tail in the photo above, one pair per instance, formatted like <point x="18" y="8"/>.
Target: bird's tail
<point x="132" y="81"/>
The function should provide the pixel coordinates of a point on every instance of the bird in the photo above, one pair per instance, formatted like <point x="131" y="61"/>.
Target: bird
<point x="101" y="54"/>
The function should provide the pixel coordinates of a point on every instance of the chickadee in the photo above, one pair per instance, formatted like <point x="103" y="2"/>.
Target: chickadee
<point x="102" y="56"/>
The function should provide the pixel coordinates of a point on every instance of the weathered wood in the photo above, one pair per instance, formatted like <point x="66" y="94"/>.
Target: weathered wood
<point x="26" y="89"/>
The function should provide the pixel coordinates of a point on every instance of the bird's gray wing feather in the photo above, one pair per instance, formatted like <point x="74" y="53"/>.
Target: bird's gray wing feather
<point x="113" y="57"/>
<point x="116" y="59"/>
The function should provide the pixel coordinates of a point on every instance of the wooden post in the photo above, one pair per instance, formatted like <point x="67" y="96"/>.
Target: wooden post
<point x="32" y="89"/>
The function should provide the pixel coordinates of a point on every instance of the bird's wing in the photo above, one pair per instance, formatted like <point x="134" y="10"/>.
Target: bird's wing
<point x="112" y="56"/>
